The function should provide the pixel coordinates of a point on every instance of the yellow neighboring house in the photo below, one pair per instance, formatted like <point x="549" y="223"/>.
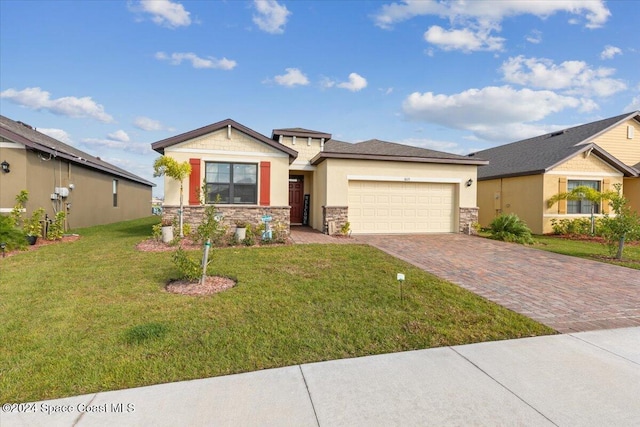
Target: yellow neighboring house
<point x="301" y="176"/>
<point x="522" y="176"/>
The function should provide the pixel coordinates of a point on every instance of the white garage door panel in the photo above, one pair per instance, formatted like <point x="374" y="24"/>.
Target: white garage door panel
<point x="401" y="207"/>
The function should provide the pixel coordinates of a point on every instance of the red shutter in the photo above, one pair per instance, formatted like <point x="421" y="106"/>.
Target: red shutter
<point x="194" y="182"/>
<point x="265" y="183"/>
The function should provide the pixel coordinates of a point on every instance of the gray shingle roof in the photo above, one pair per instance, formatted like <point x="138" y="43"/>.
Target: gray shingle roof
<point x="375" y="149"/>
<point x="541" y="153"/>
<point x="301" y="132"/>
<point x="32" y="139"/>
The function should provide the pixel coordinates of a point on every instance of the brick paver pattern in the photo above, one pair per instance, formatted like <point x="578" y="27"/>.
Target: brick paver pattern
<point x="566" y="293"/>
<point x="306" y="235"/>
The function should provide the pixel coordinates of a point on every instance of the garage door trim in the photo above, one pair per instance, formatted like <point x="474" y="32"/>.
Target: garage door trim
<point x="383" y="178"/>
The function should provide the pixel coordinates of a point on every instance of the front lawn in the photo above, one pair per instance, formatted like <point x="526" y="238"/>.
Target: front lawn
<point x="589" y="249"/>
<point x="92" y="315"/>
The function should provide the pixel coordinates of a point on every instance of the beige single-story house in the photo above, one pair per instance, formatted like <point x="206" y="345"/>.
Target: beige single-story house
<point x="60" y="177"/>
<point x="522" y="176"/>
<point x="301" y="176"/>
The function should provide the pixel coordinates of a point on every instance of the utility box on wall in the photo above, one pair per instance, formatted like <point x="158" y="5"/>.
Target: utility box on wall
<point x="62" y="191"/>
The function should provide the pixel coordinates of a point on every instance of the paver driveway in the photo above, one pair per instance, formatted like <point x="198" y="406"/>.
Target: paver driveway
<point x="566" y="293"/>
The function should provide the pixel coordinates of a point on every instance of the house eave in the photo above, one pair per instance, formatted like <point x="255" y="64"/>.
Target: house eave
<point x="322" y="156"/>
<point x="512" y="175"/>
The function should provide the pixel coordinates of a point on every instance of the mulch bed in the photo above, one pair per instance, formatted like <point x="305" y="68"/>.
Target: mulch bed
<point x="44" y="242"/>
<point x="211" y="285"/>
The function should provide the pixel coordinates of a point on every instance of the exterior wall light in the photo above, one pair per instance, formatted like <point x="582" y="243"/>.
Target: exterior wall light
<point x="5" y="166"/>
<point x="469" y="182"/>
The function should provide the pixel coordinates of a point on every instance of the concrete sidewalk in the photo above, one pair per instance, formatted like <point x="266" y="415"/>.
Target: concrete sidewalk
<point x="581" y="379"/>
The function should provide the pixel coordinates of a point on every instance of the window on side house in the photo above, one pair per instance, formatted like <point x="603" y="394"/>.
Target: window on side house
<point x="582" y="206"/>
<point x="115" y="193"/>
<point x="235" y="183"/>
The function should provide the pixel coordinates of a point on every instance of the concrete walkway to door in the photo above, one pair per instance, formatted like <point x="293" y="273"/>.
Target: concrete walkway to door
<point x="566" y="293"/>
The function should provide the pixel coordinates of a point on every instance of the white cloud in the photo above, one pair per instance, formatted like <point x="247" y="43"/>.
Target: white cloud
<point x="534" y="37"/>
<point x="145" y="123"/>
<point x="431" y="144"/>
<point x="634" y="105"/>
<point x="165" y="13"/>
<point x="610" y="51"/>
<point x="37" y="99"/>
<point x="292" y="77"/>
<point x="356" y="83"/>
<point x="119" y="135"/>
<point x="111" y="144"/>
<point x="494" y="113"/>
<point x="473" y="22"/>
<point x="480" y="11"/>
<point x="176" y="58"/>
<point x="271" y="16"/>
<point x="465" y="40"/>
<point x="572" y="77"/>
<point x="327" y="83"/>
<point x="58" y="134"/>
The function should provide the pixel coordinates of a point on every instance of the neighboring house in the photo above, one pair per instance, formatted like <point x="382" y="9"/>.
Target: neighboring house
<point x="522" y="176"/>
<point x="59" y="177"/>
<point x="300" y="176"/>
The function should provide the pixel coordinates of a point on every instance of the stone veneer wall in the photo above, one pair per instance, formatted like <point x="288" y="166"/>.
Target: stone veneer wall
<point x="338" y="214"/>
<point x="468" y="216"/>
<point x="231" y="214"/>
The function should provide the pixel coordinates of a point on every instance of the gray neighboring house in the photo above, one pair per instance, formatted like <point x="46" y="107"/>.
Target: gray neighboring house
<point x="522" y="176"/>
<point x="60" y="177"/>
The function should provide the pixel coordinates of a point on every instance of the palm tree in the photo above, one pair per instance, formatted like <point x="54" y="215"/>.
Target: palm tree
<point x="173" y="169"/>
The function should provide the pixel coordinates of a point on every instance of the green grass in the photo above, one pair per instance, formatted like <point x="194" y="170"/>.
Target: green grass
<point x="589" y="250"/>
<point x="92" y="315"/>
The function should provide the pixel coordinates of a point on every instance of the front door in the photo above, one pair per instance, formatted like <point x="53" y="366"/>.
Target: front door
<point x="296" y="198"/>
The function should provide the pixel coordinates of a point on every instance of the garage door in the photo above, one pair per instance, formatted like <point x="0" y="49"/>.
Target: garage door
<point x="401" y="207"/>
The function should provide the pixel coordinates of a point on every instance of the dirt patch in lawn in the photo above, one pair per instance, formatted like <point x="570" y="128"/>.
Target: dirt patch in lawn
<point x="211" y="285"/>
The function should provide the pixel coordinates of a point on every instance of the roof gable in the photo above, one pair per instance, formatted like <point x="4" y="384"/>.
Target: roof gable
<point x="32" y="139"/>
<point x="159" y="146"/>
<point x="542" y="153"/>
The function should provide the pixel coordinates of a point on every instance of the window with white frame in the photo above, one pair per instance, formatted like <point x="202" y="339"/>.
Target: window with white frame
<point x="582" y="206"/>
<point x="235" y="183"/>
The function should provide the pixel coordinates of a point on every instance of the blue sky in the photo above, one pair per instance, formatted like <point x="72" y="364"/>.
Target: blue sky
<point x="111" y="77"/>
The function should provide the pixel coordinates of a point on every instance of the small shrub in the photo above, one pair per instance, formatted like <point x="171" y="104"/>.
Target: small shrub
<point x="11" y="235"/>
<point x="16" y="212"/>
<point x="211" y="227"/>
<point x="156" y="231"/>
<point x="188" y="268"/>
<point x="279" y="232"/>
<point x="33" y="224"/>
<point x="510" y="228"/>
<point x="345" y="229"/>
<point x="249" y="239"/>
<point x="56" y="229"/>
<point x="147" y="331"/>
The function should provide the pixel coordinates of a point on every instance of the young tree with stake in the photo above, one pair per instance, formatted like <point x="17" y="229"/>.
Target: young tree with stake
<point x="173" y="169"/>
